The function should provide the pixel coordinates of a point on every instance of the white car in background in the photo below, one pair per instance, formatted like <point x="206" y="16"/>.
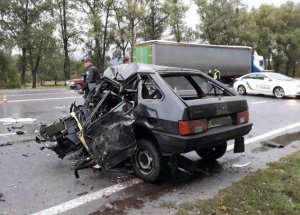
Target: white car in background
<point x="267" y="83"/>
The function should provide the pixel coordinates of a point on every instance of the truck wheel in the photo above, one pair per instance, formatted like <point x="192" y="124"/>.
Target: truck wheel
<point x="212" y="153"/>
<point x="241" y="90"/>
<point x="278" y="92"/>
<point x="147" y="162"/>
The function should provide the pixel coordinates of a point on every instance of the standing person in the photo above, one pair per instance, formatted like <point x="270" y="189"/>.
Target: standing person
<point x="210" y="73"/>
<point x="217" y="74"/>
<point x="126" y="60"/>
<point x="93" y="74"/>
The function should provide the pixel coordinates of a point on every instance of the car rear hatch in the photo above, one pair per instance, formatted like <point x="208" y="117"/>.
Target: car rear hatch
<point x="215" y="107"/>
<point x="215" y="112"/>
<point x="209" y="103"/>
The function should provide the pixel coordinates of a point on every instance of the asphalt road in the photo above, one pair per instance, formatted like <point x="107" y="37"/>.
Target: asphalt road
<point x="32" y="180"/>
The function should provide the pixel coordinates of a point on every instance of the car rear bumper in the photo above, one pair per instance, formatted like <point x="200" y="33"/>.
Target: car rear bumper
<point x="176" y="144"/>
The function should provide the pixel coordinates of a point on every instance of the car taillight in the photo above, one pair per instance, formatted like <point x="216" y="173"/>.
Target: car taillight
<point x="192" y="127"/>
<point x="242" y="117"/>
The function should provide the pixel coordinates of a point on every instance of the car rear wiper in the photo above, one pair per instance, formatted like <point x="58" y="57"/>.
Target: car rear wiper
<point x="217" y="86"/>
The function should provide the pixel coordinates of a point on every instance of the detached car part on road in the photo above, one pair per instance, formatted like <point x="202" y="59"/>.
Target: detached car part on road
<point x="150" y="114"/>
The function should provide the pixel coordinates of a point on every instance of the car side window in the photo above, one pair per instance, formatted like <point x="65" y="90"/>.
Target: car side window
<point x="261" y="76"/>
<point x="251" y="76"/>
<point x="149" y="89"/>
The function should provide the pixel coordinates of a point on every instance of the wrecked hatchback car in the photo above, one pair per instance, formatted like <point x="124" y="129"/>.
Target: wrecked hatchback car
<point x="150" y="114"/>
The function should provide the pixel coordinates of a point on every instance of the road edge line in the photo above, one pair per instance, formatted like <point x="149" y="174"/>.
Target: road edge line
<point x="268" y="134"/>
<point x="74" y="203"/>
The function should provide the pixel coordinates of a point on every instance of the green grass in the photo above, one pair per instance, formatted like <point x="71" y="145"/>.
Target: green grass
<point x="275" y="190"/>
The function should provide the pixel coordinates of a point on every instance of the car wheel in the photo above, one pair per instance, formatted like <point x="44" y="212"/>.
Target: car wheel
<point x="213" y="153"/>
<point x="241" y="90"/>
<point x="147" y="162"/>
<point x="278" y="92"/>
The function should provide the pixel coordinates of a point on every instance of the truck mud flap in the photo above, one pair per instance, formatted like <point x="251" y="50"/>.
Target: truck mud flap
<point x="239" y="145"/>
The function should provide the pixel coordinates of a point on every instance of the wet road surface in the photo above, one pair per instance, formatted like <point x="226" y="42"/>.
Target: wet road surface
<point x="33" y="180"/>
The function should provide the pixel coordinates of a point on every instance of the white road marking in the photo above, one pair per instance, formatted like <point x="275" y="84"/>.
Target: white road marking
<point x="60" y="107"/>
<point x="8" y="134"/>
<point x="87" y="198"/>
<point x="261" y="102"/>
<point x="15" y="120"/>
<point x="266" y="135"/>
<point x="32" y="90"/>
<point x="118" y="187"/>
<point x="38" y="94"/>
<point x="11" y="133"/>
<point x="44" y="99"/>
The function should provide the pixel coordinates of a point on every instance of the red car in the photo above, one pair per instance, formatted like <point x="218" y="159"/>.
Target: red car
<point x="75" y="83"/>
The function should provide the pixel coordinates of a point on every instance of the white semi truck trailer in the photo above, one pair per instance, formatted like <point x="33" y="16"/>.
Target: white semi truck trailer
<point x="230" y="61"/>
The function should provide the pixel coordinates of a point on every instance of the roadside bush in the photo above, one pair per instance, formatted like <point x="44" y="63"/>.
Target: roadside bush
<point x="9" y="77"/>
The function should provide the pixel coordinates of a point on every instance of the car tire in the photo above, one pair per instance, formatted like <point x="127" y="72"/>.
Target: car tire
<point x="147" y="162"/>
<point x="278" y="92"/>
<point x="213" y="153"/>
<point x="241" y="90"/>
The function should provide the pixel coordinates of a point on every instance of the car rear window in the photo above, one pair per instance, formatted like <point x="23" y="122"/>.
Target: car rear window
<point x="193" y="86"/>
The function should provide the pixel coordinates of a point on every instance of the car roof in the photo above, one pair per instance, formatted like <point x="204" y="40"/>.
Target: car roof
<point x="268" y="73"/>
<point x="124" y="71"/>
<point x="264" y="73"/>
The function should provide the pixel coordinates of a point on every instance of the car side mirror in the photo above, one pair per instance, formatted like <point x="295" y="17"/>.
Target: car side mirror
<point x="267" y="79"/>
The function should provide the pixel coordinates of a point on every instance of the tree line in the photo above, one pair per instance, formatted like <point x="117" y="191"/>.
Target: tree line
<point x="47" y="34"/>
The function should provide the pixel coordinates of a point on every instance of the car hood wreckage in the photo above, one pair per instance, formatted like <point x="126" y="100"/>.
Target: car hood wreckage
<point x="149" y="114"/>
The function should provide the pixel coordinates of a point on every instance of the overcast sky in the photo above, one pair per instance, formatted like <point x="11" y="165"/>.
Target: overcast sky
<point x="192" y="18"/>
<point x="257" y="3"/>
